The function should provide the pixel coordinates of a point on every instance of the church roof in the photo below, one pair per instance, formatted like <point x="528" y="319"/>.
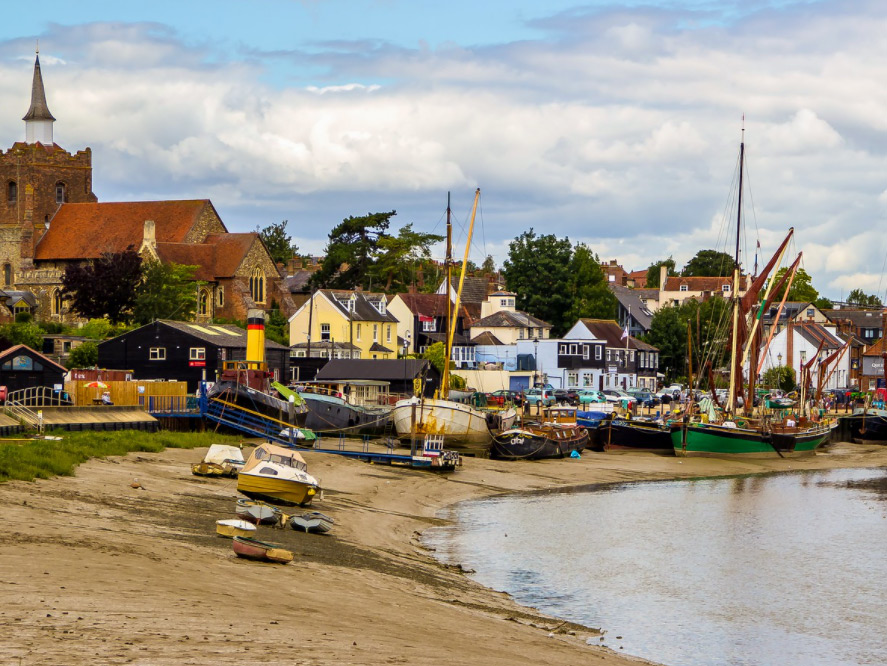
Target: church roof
<point x="39" y="110"/>
<point x="88" y="230"/>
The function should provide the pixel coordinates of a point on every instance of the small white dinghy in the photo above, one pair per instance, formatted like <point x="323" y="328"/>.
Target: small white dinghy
<point x="233" y="527"/>
<point x="313" y="521"/>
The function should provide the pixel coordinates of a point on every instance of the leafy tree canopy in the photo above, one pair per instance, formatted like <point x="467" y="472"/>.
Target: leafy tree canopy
<point x="538" y="270"/>
<point x="860" y="298"/>
<point x="591" y="296"/>
<point x="83" y="356"/>
<point x="352" y="249"/>
<point x="781" y="377"/>
<point x="709" y="263"/>
<point x="279" y="243"/>
<point x="399" y="257"/>
<point x="166" y="291"/>
<point x="23" y="333"/>
<point x="823" y="303"/>
<point x="802" y="288"/>
<point x="654" y="271"/>
<point x="489" y="266"/>
<point x="105" y="287"/>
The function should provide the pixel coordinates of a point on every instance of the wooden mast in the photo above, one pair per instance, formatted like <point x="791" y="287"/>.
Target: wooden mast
<point x="734" y="350"/>
<point x="448" y="262"/>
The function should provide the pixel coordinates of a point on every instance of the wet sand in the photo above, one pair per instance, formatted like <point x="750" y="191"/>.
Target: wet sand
<point x="94" y="571"/>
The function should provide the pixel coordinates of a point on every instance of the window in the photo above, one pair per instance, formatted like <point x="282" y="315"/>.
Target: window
<point x="221" y="296"/>
<point x="23" y="364"/>
<point x="11" y="192"/>
<point x="429" y="324"/>
<point x="563" y="350"/>
<point x="810" y="313"/>
<point x="56" y="304"/>
<point x="725" y="288"/>
<point x="803" y="356"/>
<point x="381" y="307"/>
<point x="157" y="354"/>
<point x="325" y="332"/>
<point x="608" y="354"/>
<point x="60" y="193"/>
<point x="587" y="378"/>
<point x="585" y="351"/>
<point x="683" y="287"/>
<point x="257" y="285"/>
<point x="520" y="334"/>
<point x="572" y="379"/>
<point x="597" y="352"/>
<point x="358" y="332"/>
<point x="197" y="354"/>
<point x="203" y="302"/>
<point x="7" y="275"/>
<point x="375" y="332"/>
<point x="631" y="356"/>
<point x="388" y="333"/>
<point x="574" y="349"/>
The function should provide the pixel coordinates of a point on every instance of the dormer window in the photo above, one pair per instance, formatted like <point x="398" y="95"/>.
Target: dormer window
<point x="60" y="193"/>
<point x="381" y="306"/>
<point x="11" y="192"/>
<point x="725" y="288"/>
<point x="351" y="303"/>
<point x="684" y="288"/>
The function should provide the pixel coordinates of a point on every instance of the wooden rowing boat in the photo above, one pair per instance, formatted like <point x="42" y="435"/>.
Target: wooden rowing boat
<point x="261" y="551"/>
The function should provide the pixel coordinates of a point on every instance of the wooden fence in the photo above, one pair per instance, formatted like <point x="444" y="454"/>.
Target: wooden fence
<point x="131" y="394"/>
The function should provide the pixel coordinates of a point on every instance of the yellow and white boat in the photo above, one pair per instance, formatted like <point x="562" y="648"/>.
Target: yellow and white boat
<point x="277" y="475"/>
<point x="233" y="527"/>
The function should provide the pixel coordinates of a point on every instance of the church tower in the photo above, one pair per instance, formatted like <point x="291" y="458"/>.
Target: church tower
<point x="36" y="177"/>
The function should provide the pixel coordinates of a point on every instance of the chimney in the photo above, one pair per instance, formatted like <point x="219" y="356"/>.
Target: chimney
<point x="663" y="274"/>
<point x="149" y="237"/>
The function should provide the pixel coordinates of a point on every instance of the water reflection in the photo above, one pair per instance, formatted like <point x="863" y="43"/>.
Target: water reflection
<point x="748" y="570"/>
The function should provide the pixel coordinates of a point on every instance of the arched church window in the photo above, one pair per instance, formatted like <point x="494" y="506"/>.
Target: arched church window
<point x="7" y="275"/>
<point x="221" y="296"/>
<point x="60" y="193"/>
<point x="257" y="285"/>
<point x="56" y="301"/>
<point x="11" y="191"/>
<point x="203" y="302"/>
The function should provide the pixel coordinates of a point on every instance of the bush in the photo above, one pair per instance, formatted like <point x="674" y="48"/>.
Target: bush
<point x="83" y="356"/>
<point x="781" y="377"/>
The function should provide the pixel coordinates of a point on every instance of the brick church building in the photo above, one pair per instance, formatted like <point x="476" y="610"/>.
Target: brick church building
<point x="50" y="218"/>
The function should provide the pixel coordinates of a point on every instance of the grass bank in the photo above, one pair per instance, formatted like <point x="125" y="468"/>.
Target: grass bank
<point x="44" y="458"/>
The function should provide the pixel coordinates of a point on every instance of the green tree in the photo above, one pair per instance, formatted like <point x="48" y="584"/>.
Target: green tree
<point x="277" y="326"/>
<point x="801" y="290"/>
<point x="781" y="377"/>
<point x="97" y="329"/>
<point x="823" y="303"/>
<point x="83" y="356"/>
<point x="279" y="243"/>
<point x="591" y="296"/>
<point x="654" y="271"/>
<point x="23" y="333"/>
<point x="860" y="298"/>
<point x="709" y="263"/>
<point x="166" y="291"/>
<point x="351" y="251"/>
<point x="105" y="287"/>
<point x="399" y="257"/>
<point x="538" y="270"/>
<point x="436" y="354"/>
<point x="489" y="266"/>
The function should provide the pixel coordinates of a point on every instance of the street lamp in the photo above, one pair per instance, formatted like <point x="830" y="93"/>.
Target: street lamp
<point x="535" y="358"/>
<point x="779" y="359"/>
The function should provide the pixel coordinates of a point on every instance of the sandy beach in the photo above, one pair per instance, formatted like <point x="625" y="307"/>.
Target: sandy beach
<point x="94" y="571"/>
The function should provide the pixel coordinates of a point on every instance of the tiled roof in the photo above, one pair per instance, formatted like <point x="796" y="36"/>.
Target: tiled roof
<point x="876" y="349"/>
<point x="364" y="305"/>
<point x="859" y="318"/>
<point x="17" y="349"/>
<point x="510" y="319"/>
<point x="629" y="299"/>
<point x="474" y="290"/>
<point x="487" y="338"/>
<point x="703" y="283"/>
<point x="379" y="369"/>
<point x="87" y="230"/>
<point x="609" y="331"/>
<point x="298" y="281"/>
<point x="814" y="334"/>
<point x="435" y="305"/>
<point x="376" y="347"/>
<point x="218" y="257"/>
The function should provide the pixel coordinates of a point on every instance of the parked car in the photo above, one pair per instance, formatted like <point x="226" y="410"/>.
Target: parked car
<point x="513" y="397"/>
<point x="591" y="396"/>
<point x="543" y="396"/>
<point x="644" y="397"/>
<point x="619" y="397"/>
<point x="568" y="396"/>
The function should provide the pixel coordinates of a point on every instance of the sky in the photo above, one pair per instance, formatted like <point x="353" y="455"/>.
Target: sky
<point x="613" y="124"/>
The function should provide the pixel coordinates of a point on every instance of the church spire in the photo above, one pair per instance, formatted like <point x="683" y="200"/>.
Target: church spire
<point x="38" y="119"/>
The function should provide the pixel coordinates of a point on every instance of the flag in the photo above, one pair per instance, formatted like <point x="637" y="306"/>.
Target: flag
<point x="425" y="318"/>
<point x="624" y="333"/>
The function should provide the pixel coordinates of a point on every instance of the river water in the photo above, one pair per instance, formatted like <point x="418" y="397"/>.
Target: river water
<point x="776" y="569"/>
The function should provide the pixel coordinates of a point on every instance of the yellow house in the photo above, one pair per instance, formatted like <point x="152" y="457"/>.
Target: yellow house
<point x="344" y="324"/>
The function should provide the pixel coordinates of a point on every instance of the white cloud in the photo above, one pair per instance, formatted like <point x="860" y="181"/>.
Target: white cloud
<point x="617" y="129"/>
